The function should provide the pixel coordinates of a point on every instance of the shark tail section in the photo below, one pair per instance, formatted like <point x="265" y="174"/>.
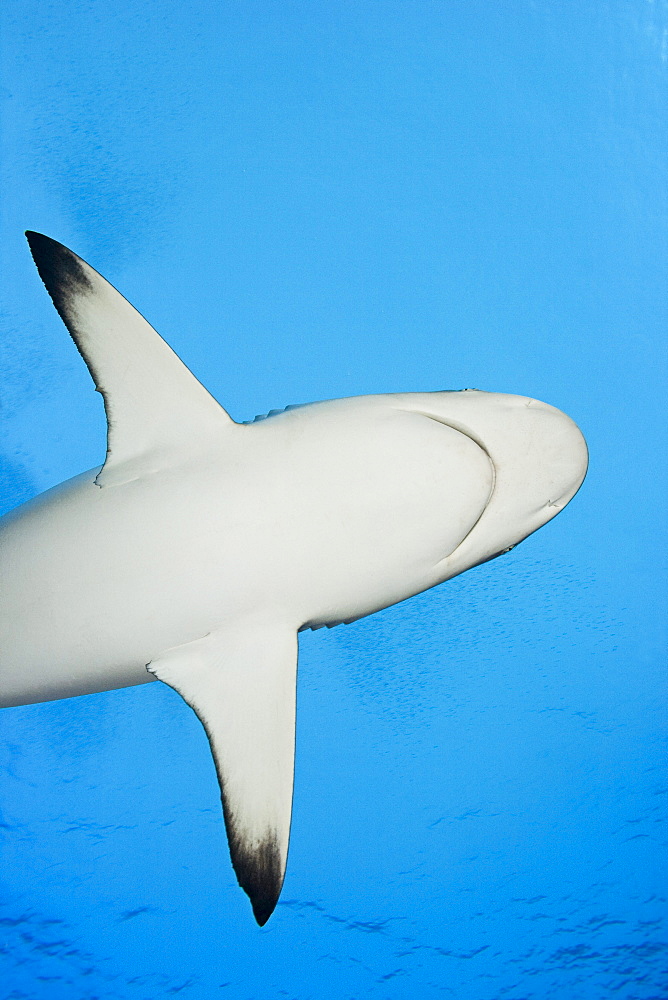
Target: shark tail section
<point x="241" y="683"/>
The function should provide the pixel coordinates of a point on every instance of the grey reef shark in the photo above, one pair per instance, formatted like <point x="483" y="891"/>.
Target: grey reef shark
<point x="216" y="542"/>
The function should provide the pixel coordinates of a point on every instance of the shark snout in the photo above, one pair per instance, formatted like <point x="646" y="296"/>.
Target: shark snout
<point x="538" y="454"/>
<point x="555" y="457"/>
<point x="538" y="458"/>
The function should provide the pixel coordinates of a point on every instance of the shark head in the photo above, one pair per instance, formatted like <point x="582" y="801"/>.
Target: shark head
<point x="538" y="458"/>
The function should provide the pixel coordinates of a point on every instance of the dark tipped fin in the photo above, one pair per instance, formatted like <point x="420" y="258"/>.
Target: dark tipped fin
<point x="156" y="409"/>
<point x="241" y="682"/>
<point x="61" y="271"/>
<point x="259" y="873"/>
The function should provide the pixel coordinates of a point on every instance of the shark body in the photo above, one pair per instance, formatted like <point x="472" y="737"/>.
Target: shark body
<point x="201" y="547"/>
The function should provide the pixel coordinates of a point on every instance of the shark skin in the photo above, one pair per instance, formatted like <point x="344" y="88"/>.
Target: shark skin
<point x="202" y="546"/>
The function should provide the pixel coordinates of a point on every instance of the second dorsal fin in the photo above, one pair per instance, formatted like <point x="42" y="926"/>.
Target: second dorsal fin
<point x="155" y="406"/>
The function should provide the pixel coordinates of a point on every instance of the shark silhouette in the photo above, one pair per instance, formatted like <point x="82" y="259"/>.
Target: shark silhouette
<point x="202" y="546"/>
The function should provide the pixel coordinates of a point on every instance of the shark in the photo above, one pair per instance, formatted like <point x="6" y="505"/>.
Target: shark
<point x="202" y="546"/>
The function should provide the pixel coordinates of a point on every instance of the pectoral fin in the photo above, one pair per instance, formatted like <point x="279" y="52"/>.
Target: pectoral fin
<point x="242" y="685"/>
<point x="156" y="409"/>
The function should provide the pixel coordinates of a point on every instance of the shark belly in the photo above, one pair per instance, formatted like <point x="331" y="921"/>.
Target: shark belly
<point x="372" y="515"/>
<point x="102" y="580"/>
<point x="98" y="581"/>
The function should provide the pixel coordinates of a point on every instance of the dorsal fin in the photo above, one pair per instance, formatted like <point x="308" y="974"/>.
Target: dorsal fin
<point x="155" y="406"/>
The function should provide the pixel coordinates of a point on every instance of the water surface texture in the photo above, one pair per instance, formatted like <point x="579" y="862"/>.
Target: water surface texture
<point x="311" y="200"/>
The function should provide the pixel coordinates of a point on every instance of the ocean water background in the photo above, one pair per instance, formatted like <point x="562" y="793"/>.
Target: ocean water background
<point x="311" y="200"/>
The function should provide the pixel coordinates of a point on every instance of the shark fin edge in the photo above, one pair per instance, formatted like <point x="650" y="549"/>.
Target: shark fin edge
<point x="155" y="407"/>
<point x="259" y="869"/>
<point x="241" y="684"/>
<point x="61" y="271"/>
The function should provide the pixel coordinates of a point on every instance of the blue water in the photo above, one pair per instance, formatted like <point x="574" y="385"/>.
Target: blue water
<point x="318" y="200"/>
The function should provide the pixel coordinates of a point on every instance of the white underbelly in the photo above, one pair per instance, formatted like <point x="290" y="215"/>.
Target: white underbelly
<point x="370" y="521"/>
<point x="97" y="582"/>
<point x="92" y="589"/>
